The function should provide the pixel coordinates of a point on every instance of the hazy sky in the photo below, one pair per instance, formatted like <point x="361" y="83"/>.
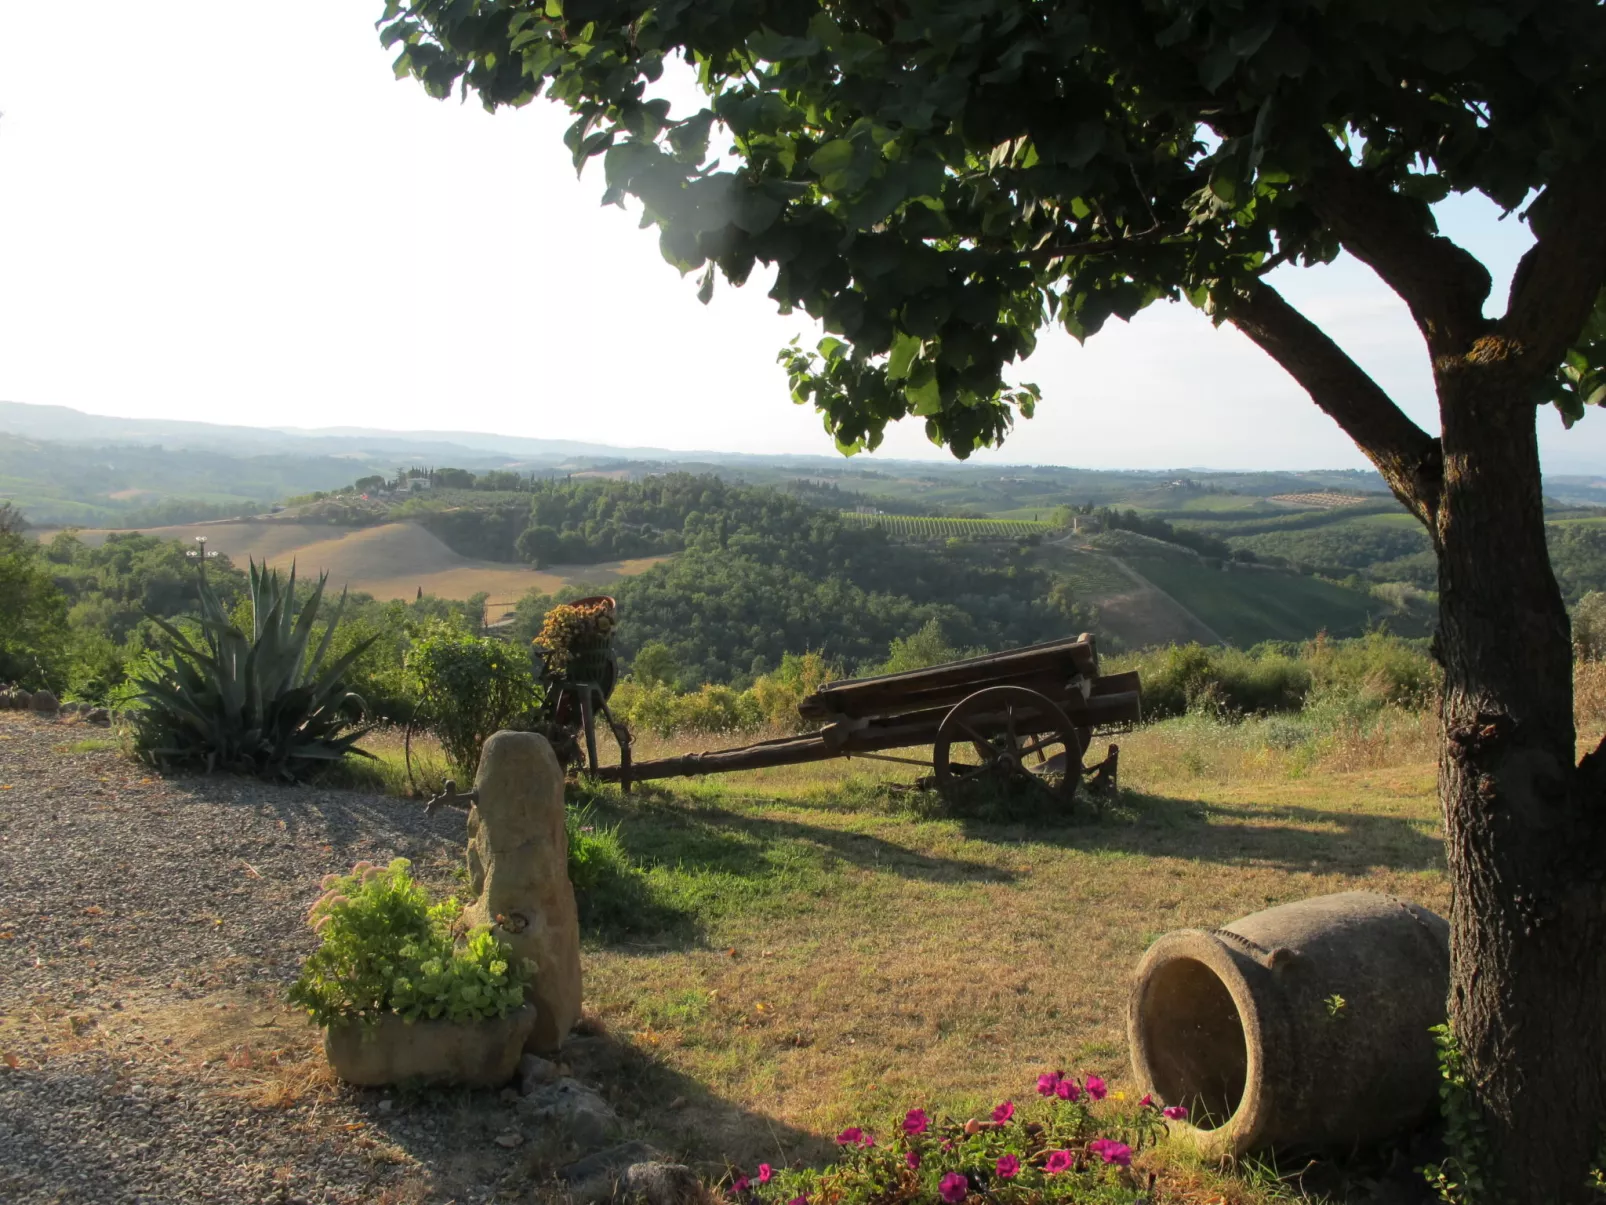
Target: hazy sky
<point x="233" y="212"/>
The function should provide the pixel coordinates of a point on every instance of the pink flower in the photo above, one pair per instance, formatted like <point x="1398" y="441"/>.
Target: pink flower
<point x="851" y="1136"/>
<point x="1058" y="1161"/>
<point x="1111" y="1151"/>
<point x="866" y="1141"/>
<point x="1067" y="1089"/>
<point x="764" y="1173"/>
<point x="801" y="1199"/>
<point x="1047" y="1084"/>
<point x="1147" y="1102"/>
<point x="954" y="1188"/>
<point x="912" y="1160"/>
<point x="1004" y="1112"/>
<point x="1096" y="1088"/>
<point x="915" y="1122"/>
<point x="741" y="1184"/>
<point x="1008" y="1167"/>
<point x="1176" y="1112"/>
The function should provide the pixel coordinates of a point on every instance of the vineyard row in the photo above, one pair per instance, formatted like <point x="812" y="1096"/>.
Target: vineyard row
<point x="927" y="527"/>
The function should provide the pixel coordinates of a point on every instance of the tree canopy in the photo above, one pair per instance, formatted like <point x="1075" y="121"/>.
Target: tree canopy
<point x="938" y="180"/>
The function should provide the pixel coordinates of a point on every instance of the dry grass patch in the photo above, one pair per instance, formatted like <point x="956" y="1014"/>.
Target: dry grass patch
<point x="884" y="960"/>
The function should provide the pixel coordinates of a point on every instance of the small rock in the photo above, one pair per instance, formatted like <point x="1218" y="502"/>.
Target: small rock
<point x="385" y="1106"/>
<point x="510" y="1139"/>
<point x="535" y="1071"/>
<point x="595" y="1178"/>
<point x="98" y="715"/>
<point x="579" y="1109"/>
<point x="662" y="1184"/>
<point x="508" y="1096"/>
<point x="44" y="701"/>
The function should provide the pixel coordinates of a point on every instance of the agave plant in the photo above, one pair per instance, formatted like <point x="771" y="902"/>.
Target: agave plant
<point x="258" y="704"/>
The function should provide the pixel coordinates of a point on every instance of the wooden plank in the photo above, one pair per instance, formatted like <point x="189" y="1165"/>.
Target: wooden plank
<point x="843" y="740"/>
<point x="884" y="694"/>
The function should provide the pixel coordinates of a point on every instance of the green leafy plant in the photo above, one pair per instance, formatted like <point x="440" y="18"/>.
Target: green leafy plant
<point x="258" y="704"/>
<point x="387" y="950"/>
<point x="1069" y="1148"/>
<point x="1461" y="1178"/>
<point x="470" y="687"/>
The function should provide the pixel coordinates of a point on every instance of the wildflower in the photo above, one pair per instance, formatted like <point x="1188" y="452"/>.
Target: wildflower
<point x="1058" y="1161"/>
<point x="1067" y="1089"/>
<point x="912" y="1160"/>
<point x="1111" y="1151"/>
<point x="851" y="1136"/>
<point x="765" y="1171"/>
<point x="318" y="925"/>
<point x="1047" y="1085"/>
<point x="801" y="1199"/>
<point x="1004" y="1112"/>
<point x="369" y="875"/>
<point x="1008" y="1167"/>
<point x="915" y="1122"/>
<point x="1095" y="1088"/>
<point x="362" y="866"/>
<point x="741" y="1184"/>
<point x="328" y="881"/>
<point x="1176" y="1112"/>
<point x="1147" y="1102"/>
<point x="335" y="901"/>
<point x="866" y="1140"/>
<point x="954" y="1188"/>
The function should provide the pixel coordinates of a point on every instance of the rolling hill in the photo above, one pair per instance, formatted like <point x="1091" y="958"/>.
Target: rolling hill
<point x="392" y="560"/>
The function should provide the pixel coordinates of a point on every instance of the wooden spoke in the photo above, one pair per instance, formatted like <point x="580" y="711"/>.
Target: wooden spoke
<point x="1005" y="724"/>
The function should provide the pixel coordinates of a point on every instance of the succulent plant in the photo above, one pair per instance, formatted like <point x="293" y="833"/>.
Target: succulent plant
<point x="257" y="704"/>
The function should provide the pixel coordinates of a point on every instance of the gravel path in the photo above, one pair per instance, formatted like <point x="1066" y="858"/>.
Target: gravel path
<point x="147" y="928"/>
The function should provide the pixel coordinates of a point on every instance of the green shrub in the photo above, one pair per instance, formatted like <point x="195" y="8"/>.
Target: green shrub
<point x="469" y="687"/>
<point x="386" y="950"/>
<point x="259" y="704"/>
<point x="664" y="710"/>
<point x="1191" y="677"/>
<point x="1068" y="1148"/>
<point x="1589" y="626"/>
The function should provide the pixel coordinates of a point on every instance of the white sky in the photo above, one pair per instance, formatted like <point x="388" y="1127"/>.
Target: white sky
<point x="229" y="212"/>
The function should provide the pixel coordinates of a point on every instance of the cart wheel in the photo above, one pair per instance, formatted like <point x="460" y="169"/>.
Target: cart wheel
<point x="993" y="734"/>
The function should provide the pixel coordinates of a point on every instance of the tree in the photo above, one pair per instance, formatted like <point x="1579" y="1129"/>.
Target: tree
<point x="654" y="664"/>
<point x="937" y="180"/>
<point x="33" y="613"/>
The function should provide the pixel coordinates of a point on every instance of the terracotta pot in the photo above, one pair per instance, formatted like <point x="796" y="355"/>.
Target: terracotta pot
<point x="482" y="1054"/>
<point x="1304" y="1026"/>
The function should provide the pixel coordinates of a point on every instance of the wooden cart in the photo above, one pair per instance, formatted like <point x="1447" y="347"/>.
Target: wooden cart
<point x="1026" y="716"/>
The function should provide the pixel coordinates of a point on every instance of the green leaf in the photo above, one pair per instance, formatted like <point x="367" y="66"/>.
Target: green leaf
<point x="835" y="156"/>
<point x="923" y="391"/>
<point x="904" y="350"/>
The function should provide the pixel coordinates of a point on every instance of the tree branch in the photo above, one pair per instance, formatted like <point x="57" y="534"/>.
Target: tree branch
<point x="1557" y="281"/>
<point x="1442" y="283"/>
<point x="1407" y="456"/>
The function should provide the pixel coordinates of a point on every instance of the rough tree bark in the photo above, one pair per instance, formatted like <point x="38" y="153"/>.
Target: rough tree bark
<point x="1525" y="826"/>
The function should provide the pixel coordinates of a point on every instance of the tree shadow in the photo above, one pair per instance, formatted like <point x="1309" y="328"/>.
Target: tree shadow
<point x="1289" y="838"/>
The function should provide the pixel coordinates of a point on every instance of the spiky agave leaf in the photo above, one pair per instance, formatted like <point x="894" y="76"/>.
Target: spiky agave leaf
<point x="256" y="704"/>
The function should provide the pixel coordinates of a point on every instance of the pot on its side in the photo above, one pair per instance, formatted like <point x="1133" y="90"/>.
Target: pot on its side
<point x="481" y="1054"/>
<point x="1303" y="1026"/>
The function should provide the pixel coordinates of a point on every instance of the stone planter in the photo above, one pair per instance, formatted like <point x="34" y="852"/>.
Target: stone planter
<point x="481" y="1054"/>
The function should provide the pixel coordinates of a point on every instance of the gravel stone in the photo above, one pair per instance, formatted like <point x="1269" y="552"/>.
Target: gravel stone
<point x="148" y="927"/>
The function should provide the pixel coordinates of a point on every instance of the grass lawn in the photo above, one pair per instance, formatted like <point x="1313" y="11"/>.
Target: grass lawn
<point x="800" y="951"/>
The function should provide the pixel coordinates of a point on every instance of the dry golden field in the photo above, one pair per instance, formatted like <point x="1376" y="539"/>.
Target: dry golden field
<point x="392" y="560"/>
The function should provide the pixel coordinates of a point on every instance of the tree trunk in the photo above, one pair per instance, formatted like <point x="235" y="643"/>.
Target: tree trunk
<point x="1523" y="822"/>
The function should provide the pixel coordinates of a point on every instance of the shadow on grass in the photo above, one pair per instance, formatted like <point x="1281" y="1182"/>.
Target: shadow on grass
<point x="449" y="1131"/>
<point x="1289" y="838"/>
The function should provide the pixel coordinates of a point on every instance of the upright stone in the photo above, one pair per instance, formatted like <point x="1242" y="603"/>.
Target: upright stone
<point x="518" y="863"/>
